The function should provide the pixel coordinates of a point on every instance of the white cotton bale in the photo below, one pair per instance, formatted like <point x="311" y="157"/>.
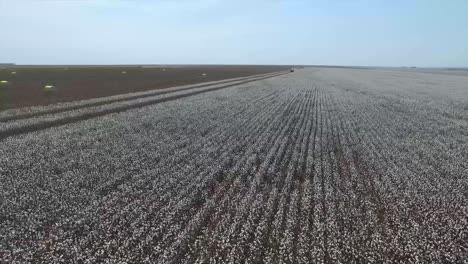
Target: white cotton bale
<point x="49" y="88"/>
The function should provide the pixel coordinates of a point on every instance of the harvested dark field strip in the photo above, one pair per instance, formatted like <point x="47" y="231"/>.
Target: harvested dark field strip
<point x="28" y="128"/>
<point x="317" y="166"/>
<point x="120" y="98"/>
<point x="76" y="83"/>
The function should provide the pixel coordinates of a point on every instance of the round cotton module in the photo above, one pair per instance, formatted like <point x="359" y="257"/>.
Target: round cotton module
<point x="49" y="88"/>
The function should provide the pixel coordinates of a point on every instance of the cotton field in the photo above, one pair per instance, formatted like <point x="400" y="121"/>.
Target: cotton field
<point x="320" y="165"/>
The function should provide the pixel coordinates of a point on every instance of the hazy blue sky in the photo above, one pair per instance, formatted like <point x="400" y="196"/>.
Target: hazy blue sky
<point x="340" y="32"/>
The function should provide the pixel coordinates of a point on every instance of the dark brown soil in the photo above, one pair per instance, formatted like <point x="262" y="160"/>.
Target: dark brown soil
<point x="72" y="83"/>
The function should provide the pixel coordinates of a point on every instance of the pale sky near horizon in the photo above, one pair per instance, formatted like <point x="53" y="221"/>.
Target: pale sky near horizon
<point x="336" y="32"/>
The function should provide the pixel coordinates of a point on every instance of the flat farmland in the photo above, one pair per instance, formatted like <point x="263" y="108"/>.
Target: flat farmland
<point x="72" y="83"/>
<point x="323" y="165"/>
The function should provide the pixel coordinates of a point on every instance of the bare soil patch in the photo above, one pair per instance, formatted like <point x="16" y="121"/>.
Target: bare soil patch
<point x="26" y="86"/>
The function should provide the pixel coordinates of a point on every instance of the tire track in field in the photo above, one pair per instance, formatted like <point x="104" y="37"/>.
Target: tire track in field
<point x="29" y="128"/>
